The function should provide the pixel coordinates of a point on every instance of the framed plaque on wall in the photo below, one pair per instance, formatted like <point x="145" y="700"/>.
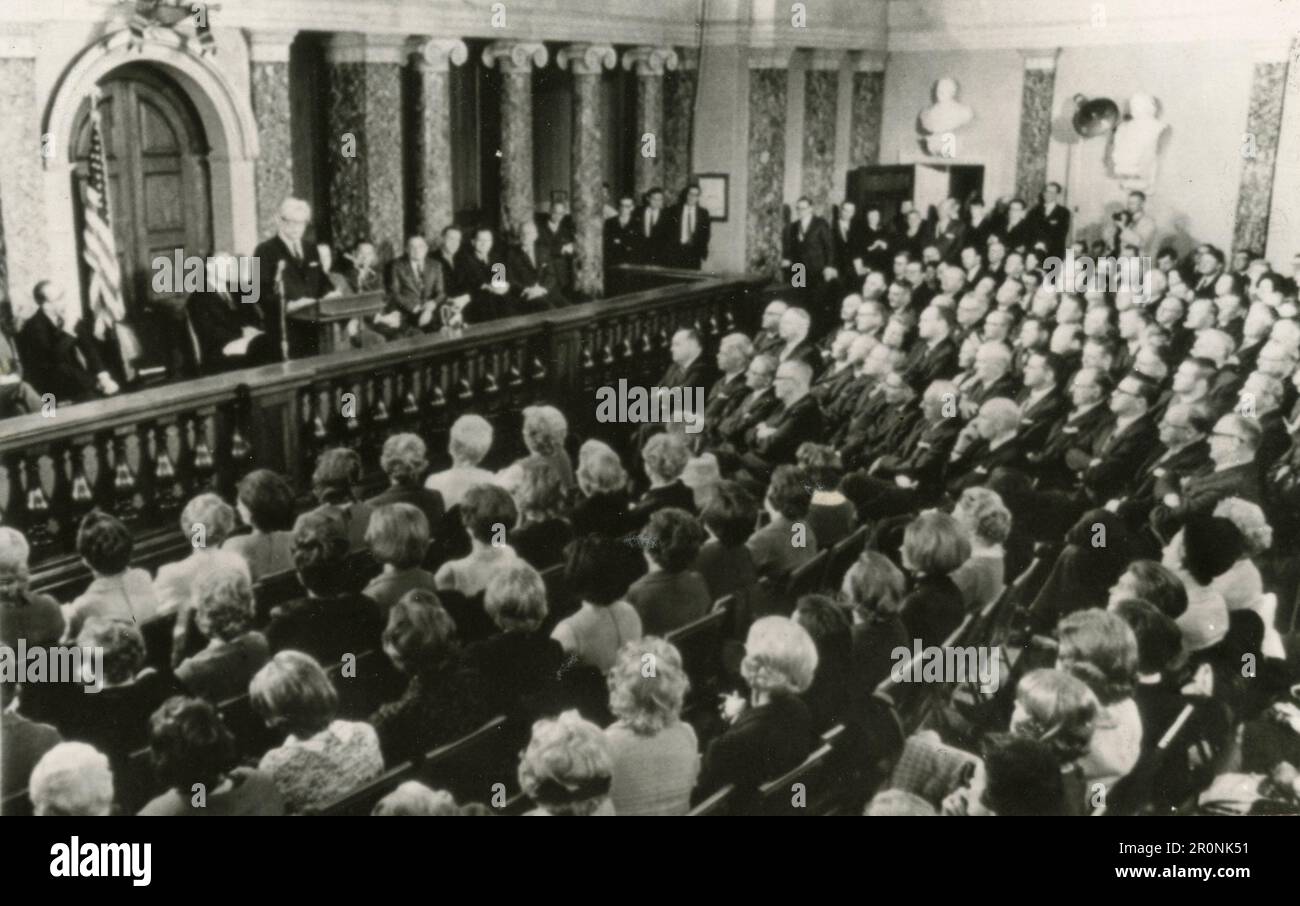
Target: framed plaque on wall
<point x="714" y="194"/>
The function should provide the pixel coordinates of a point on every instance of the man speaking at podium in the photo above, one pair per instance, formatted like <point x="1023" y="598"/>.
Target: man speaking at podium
<point x="291" y="266"/>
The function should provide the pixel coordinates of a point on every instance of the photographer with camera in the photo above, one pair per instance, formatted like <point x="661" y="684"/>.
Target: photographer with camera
<point x="1135" y="227"/>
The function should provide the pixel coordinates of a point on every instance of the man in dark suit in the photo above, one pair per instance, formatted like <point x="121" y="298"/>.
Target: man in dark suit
<point x="228" y="328"/>
<point x="1122" y="446"/>
<point x="1181" y="453"/>
<point x="57" y="361"/>
<point x="692" y="227"/>
<point x="793" y="329"/>
<point x="415" y="290"/>
<point x="621" y="242"/>
<point x="1051" y="221"/>
<point x="990" y="442"/>
<point x="1041" y="403"/>
<point x="450" y="257"/>
<point x="729" y="435"/>
<point x="296" y="264"/>
<point x="729" y="391"/>
<point x="17" y="397"/>
<point x="484" y="274"/>
<point x="532" y="272"/>
<point x="1234" y="441"/>
<point x="807" y="251"/>
<point x="1089" y="390"/>
<point x="935" y="357"/>
<point x="555" y="236"/>
<point x="689" y="367"/>
<point x="798" y="419"/>
<point x="653" y="230"/>
<point x="848" y="248"/>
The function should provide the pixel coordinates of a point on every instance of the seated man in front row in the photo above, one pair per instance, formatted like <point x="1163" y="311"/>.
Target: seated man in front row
<point x="415" y="290"/>
<point x="57" y="360"/>
<point x="487" y="290"/>
<point x="532" y="272"/>
<point x="228" y="330"/>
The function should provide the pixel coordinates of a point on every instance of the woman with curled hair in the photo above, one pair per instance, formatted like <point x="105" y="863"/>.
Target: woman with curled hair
<point x="322" y="758"/>
<point x="664" y="459"/>
<point x="874" y="588"/>
<point x="118" y="590"/>
<point x="24" y="614"/>
<point x="404" y="460"/>
<point x="545" y="431"/>
<point x="488" y="513"/>
<point x="602" y="507"/>
<point x="334" y="484"/>
<point x="331" y="619"/>
<point x="72" y="780"/>
<point x="1100" y="649"/>
<point x="788" y="541"/>
<point x="1242" y="585"/>
<point x="414" y="799"/>
<point x="771" y="731"/>
<point x="1060" y="711"/>
<point x="206" y="522"/>
<point x="604" y="622"/>
<point x="235" y="651"/>
<point x="934" y="546"/>
<point x="115" y="720"/>
<point x="724" y="561"/>
<point x="445" y="696"/>
<point x="398" y="537"/>
<point x="542" y="533"/>
<point x="189" y="745"/>
<point x="567" y="769"/>
<point x="1147" y="580"/>
<point x="265" y="502"/>
<point x="671" y="594"/>
<point x="655" y="753"/>
<point x="987" y="523"/>
<point x="469" y="442"/>
<point x="832" y="516"/>
<point x="519" y="663"/>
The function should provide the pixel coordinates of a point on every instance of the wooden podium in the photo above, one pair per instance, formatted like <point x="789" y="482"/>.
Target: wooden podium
<point x="326" y="322"/>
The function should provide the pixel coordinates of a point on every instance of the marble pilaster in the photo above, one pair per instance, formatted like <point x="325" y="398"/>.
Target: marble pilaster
<point x="22" y="218"/>
<point x="1259" y="154"/>
<point x="1035" y="123"/>
<point x="768" y="87"/>
<point x="269" y="91"/>
<point x="515" y="60"/>
<point x="433" y="59"/>
<point x="821" y="98"/>
<point x="680" y="87"/>
<point x="649" y="64"/>
<point x="868" y="110"/>
<point x="587" y="61"/>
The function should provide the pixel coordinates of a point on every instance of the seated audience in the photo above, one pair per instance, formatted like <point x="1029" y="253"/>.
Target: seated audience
<point x="398" y="537"/>
<point x="412" y="799"/>
<point x="519" y="664"/>
<point x="24" y="614"/>
<point x="71" y="780"/>
<point x="206" y="522"/>
<point x="874" y="588"/>
<point x="1016" y="776"/>
<point x="194" y="757"/>
<point x="1060" y="711"/>
<point x="1147" y="580"/>
<point x="469" y="442"/>
<point x="403" y="461"/>
<point x="545" y="431"/>
<point x="828" y="626"/>
<point x="934" y="546"/>
<point x="655" y="754"/>
<point x="322" y="758"/>
<point x="831" y="515"/>
<point x="724" y="561"/>
<point x="223" y="605"/>
<point x="1204" y="549"/>
<point x="487" y="512"/>
<point x="665" y="457"/>
<point x="1100" y="649"/>
<point x="671" y="594"/>
<point x="567" y="768"/>
<point x="605" y="621"/>
<point x="118" y="591"/>
<point x="787" y="541"/>
<point x="334" y="483"/>
<point x="987" y="524"/>
<point x="602" y="507"/>
<point x="542" y="533"/>
<point x="25" y="741"/>
<point x="265" y="503"/>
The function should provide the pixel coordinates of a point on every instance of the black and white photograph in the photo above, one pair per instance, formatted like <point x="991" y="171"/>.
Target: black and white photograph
<point x="709" y="408"/>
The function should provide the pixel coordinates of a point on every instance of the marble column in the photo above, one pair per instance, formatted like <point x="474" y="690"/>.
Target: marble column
<point x="768" y="84"/>
<point x="516" y="60"/>
<point x="587" y="61"/>
<point x="868" y="109"/>
<point x="680" y="87"/>
<point x="1035" y="123"/>
<point x="821" y="99"/>
<point x="268" y="54"/>
<point x="650" y="64"/>
<point x="22" y="219"/>
<point x="433" y="59"/>
<point x="365" y="141"/>
<point x="1260" y="147"/>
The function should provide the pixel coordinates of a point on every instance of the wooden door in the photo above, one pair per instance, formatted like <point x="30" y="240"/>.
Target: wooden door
<point x="159" y="197"/>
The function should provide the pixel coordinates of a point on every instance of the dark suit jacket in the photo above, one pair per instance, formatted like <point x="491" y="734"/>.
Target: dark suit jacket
<point x="692" y="253"/>
<point x="455" y="282"/>
<point x="794" y="425"/>
<point x="949" y="239"/>
<point x="1122" y="454"/>
<point x="1051" y="228"/>
<point x="1160" y="475"/>
<point x="484" y="305"/>
<point x="652" y="247"/>
<point x="926" y="456"/>
<point x="1201" y="493"/>
<point x="805" y="350"/>
<point x="49" y="355"/>
<point x="696" y="374"/>
<point x="551" y="242"/>
<point x="847" y="248"/>
<point x="303" y="279"/>
<point x="725" y="396"/>
<point x="1071" y="433"/>
<point x="541" y="270"/>
<point x="220" y="320"/>
<point x="751" y="410"/>
<point x="1036" y="422"/>
<point x="977" y="462"/>
<point x="621" y="242"/>
<point x="428" y="502"/>
<point x="407" y="294"/>
<point x="762" y="744"/>
<point x="927" y="364"/>
<point x="812" y="248"/>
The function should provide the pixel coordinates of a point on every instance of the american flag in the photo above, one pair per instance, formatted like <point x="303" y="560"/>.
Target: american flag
<point x="100" y="249"/>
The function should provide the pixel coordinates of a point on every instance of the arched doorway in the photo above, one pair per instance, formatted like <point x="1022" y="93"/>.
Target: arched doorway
<point x="159" y="193"/>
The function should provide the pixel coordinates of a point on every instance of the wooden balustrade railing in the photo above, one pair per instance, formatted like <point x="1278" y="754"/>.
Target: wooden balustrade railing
<point x="142" y="455"/>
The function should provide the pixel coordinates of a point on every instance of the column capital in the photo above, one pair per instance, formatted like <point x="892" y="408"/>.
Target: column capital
<point x="437" y="54"/>
<point x="350" y="47"/>
<point x="1040" y="58"/>
<point x="825" y="59"/>
<point x="770" y="57"/>
<point x="650" y="61"/>
<point x="587" y="59"/>
<point x="870" y="61"/>
<point x="269" y="46"/>
<point x="515" y="56"/>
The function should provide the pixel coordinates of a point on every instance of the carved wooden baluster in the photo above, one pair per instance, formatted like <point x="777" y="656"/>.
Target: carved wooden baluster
<point x="144" y="470"/>
<point x="203" y="465"/>
<point x="463" y="389"/>
<point x="81" y="497"/>
<point x="64" y="518"/>
<point x="40" y="526"/>
<point x="240" y="414"/>
<point x="515" y="376"/>
<point x="436" y="399"/>
<point x="125" y="506"/>
<point x="410" y="401"/>
<point x="490" y="384"/>
<point x="168" y="494"/>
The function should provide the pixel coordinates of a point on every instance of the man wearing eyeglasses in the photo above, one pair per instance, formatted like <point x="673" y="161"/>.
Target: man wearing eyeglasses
<point x="1234" y="442"/>
<point x="1183" y="451"/>
<point x="1089" y="390"/>
<point x="1120" y="448"/>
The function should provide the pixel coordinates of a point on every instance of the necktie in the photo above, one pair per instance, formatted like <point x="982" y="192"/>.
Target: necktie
<point x="690" y="222"/>
<point x="419" y="271"/>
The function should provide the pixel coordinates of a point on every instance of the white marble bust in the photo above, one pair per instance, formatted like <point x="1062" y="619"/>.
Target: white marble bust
<point x="945" y="116"/>
<point x="1136" y="143"/>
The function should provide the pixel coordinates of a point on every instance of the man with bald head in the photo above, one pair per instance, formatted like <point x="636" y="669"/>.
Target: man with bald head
<point x="797" y="419"/>
<point x="229" y="332"/>
<point x="734" y="354"/>
<point x="991" y="441"/>
<point x="768" y="337"/>
<point x="289" y="257"/>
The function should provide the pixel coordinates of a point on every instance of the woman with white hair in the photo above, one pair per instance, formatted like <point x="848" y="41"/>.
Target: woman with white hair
<point x="567" y="769"/>
<point x="223" y="601"/>
<point x="602" y="506"/>
<point x="665" y="457"/>
<point x="206" y="522"/>
<point x="655" y="753"/>
<point x="469" y="443"/>
<point x="24" y="614"/>
<point x="72" y="780"/>
<point x="772" y="731"/>
<point x="405" y="460"/>
<point x="545" y="430"/>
